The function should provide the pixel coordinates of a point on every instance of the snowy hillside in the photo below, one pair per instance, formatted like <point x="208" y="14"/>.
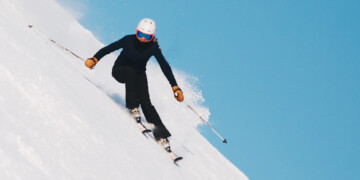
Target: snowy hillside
<point x="59" y="120"/>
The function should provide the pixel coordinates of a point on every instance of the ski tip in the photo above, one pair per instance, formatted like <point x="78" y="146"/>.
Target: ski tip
<point x="177" y="159"/>
<point x="146" y="131"/>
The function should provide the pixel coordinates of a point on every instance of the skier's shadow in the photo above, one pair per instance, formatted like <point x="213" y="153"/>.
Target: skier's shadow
<point x="121" y="102"/>
<point x="117" y="99"/>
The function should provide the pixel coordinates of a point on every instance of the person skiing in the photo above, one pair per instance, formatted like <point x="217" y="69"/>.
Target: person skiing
<point x="130" y="69"/>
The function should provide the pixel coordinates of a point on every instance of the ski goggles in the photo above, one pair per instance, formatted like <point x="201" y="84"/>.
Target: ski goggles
<point x="148" y="37"/>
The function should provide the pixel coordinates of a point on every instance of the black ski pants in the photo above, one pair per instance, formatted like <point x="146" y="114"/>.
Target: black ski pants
<point x="137" y="93"/>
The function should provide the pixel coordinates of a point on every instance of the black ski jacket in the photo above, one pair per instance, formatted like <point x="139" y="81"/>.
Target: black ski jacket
<point x="136" y="54"/>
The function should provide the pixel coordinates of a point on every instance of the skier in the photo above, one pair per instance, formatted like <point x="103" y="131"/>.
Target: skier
<point x="129" y="68"/>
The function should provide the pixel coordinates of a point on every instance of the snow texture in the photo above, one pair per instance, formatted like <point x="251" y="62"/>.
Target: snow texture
<point x="59" y="120"/>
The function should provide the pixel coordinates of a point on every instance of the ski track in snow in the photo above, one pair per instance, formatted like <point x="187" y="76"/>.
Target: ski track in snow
<point x="59" y="120"/>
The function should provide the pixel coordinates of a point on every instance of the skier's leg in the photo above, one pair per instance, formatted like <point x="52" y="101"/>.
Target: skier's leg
<point x="128" y="76"/>
<point x="149" y="110"/>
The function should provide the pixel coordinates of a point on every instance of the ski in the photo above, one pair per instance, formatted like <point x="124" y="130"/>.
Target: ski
<point x="143" y="129"/>
<point x="146" y="132"/>
<point x="175" y="158"/>
<point x="136" y="115"/>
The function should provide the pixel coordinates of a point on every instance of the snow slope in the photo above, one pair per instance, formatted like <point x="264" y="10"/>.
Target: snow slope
<point x="59" y="120"/>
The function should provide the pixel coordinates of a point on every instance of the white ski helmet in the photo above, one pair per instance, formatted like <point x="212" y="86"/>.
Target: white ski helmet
<point x="147" y="26"/>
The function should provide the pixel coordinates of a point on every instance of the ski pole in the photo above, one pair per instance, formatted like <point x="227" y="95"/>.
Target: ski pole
<point x="207" y="124"/>
<point x="59" y="45"/>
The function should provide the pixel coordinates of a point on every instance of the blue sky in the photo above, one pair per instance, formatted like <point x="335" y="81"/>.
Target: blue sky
<point x="281" y="78"/>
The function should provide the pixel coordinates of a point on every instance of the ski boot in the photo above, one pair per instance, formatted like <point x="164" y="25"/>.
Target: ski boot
<point x="164" y="143"/>
<point x="135" y="113"/>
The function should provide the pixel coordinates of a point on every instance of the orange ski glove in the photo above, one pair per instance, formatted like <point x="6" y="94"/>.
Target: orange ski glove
<point x="178" y="94"/>
<point x="91" y="62"/>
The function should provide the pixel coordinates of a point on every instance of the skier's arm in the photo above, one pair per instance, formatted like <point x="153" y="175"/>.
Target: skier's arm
<point x="110" y="48"/>
<point x="91" y="62"/>
<point x="166" y="69"/>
